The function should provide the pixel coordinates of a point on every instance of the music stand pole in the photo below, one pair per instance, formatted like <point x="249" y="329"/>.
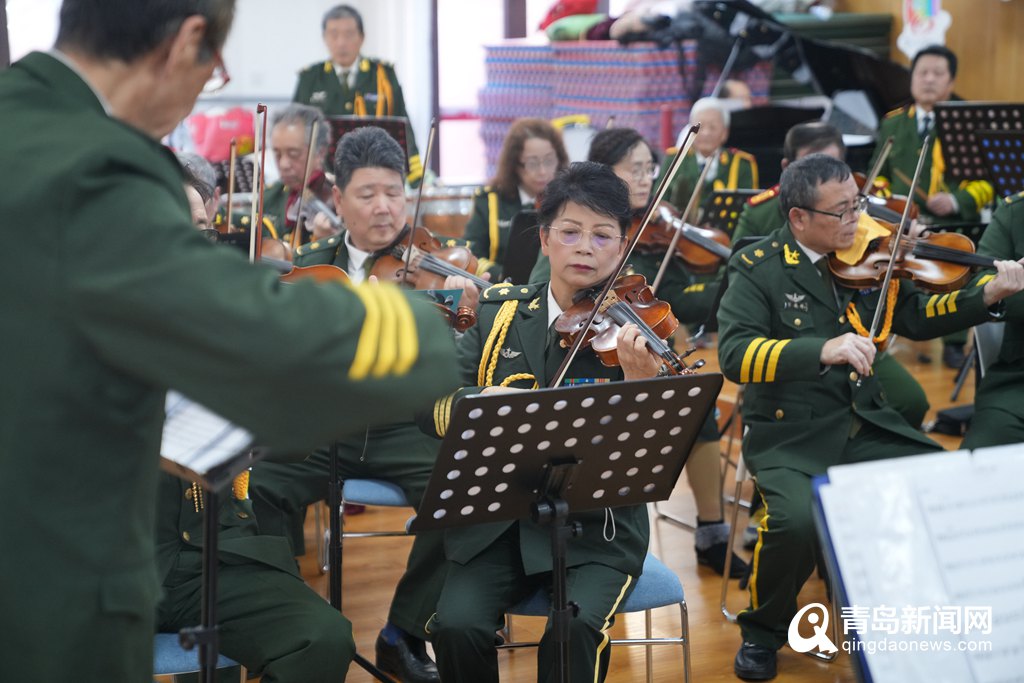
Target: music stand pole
<point x="205" y="635"/>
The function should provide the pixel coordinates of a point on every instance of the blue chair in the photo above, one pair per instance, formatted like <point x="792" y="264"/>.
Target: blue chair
<point x="170" y="658"/>
<point x="361" y="492"/>
<point x="658" y="586"/>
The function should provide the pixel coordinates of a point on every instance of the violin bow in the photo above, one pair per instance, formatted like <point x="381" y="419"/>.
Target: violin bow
<point x="895" y="247"/>
<point x="649" y="212"/>
<point x="694" y="198"/>
<point x="419" y="200"/>
<point x="232" y="160"/>
<point x="256" y="220"/>
<point x="883" y="154"/>
<point x="297" y="232"/>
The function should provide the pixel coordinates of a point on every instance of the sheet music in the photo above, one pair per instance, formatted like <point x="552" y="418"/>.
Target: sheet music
<point x="198" y="439"/>
<point x="935" y="537"/>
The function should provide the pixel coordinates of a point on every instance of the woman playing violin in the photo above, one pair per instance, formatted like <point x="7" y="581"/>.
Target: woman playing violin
<point x="691" y="298"/>
<point x="584" y="216"/>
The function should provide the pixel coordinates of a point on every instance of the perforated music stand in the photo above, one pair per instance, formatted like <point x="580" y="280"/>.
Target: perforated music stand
<point x="722" y="209"/>
<point x="1002" y="151"/>
<point x="956" y="124"/>
<point x="549" y="453"/>
<point x="395" y="126"/>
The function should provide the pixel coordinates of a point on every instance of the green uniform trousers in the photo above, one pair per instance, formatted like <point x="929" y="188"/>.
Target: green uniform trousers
<point x="400" y="454"/>
<point x="784" y="554"/>
<point x="269" y="620"/>
<point x="902" y="392"/>
<point x="477" y="594"/>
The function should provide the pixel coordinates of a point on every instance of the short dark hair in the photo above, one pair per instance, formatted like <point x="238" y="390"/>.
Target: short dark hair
<point x="128" y="30"/>
<point x="938" y="51"/>
<point x="814" y="136"/>
<point x="343" y="12"/>
<point x="802" y="178"/>
<point x="305" y="115"/>
<point x="611" y="145"/>
<point x="199" y="174"/>
<point x="366" y="147"/>
<point x="588" y="184"/>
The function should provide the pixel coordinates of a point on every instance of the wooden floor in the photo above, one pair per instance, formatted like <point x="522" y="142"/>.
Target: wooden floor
<point x="373" y="565"/>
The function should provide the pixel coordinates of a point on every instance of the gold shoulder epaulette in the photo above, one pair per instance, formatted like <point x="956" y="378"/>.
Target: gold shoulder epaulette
<point x="896" y="112"/>
<point x="1014" y="198"/>
<point x="759" y="251"/>
<point x="763" y="196"/>
<point x="504" y="291"/>
<point x="319" y="245"/>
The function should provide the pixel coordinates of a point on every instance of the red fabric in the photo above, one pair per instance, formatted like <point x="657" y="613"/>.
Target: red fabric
<point x="566" y="8"/>
<point x="212" y="133"/>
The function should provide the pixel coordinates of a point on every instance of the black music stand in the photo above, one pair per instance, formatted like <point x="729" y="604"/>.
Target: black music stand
<point x="201" y="446"/>
<point x="956" y="123"/>
<point x="1002" y="151"/>
<point x="722" y="209"/>
<point x="547" y="454"/>
<point x="523" y="247"/>
<point x="395" y="126"/>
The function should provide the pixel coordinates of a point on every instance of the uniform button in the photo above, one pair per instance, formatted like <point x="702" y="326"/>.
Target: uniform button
<point x="779" y="414"/>
<point x="243" y="515"/>
<point x="798" y="322"/>
<point x="842" y="320"/>
<point x="853" y="376"/>
<point x="188" y="494"/>
<point x="881" y="395"/>
<point x="775" y="245"/>
<point x="186" y="535"/>
<point x="348" y="106"/>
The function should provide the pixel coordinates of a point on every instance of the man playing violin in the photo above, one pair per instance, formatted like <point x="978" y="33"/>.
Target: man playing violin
<point x="584" y="215"/>
<point x="289" y="143"/>
<point x="797" y="339"/>
<point x="998" y="412"/>
<point x="369" y="195"/>
<point x="350" y="84"/>
<point x="128" y="300"/>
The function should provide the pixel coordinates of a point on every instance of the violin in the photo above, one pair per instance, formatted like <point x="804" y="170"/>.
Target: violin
<point x="938" y="262"/>
<point x="703" y="250"/>
<point x="888" y="209"/>
<point x="629" y="300"/>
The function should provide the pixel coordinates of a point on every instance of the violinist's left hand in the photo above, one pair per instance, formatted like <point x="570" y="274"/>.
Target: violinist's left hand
<point x="941" y="204"/>
<point x="320" y="227"/>
<point x="917" y="229"/>
<point x="635" y="358"/>
<point x="1009" y="280"/>
<point x="470" y="292"/>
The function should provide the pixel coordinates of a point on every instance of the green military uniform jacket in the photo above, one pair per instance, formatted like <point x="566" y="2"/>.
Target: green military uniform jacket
<point x="761" y="215"/>
<point x="517" y="359"/>
<point x="1000" y="389"/>
<point x="776" y="315"/>
<point x="489" y="227"/>
<point x="126" y="300"/>
<point x="376" y="93"/>
<point x="901" y="125"/>
<point x="179" y="528"/>
<point x="737" y="170"/>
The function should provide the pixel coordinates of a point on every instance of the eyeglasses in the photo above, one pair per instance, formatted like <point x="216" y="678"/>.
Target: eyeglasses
<point x="640" y="171"/>
<point x="220" y="76"/>
<point x="851" y="214"/>
<point x="599" y="239"/>
<point x="533" y="165"/>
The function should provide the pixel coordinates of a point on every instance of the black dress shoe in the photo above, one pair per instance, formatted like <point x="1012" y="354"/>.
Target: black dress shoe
<point x="714" y="556"/>
<point x="754" y="662"/>
<point x="407" y="659"/>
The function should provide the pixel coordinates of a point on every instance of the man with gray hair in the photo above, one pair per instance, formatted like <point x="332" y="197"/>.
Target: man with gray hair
<point x="351" y="84"/>
<point x="797" y="340"/>
<point x="289" y="143"/>
<point x="200" y="188"/>
<point x="134" y="301"/>
<point x="731" y="168"/>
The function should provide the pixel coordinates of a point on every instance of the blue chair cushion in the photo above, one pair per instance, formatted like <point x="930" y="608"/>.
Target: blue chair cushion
<point x="658" y="586"/>
<point x="170" y="658"/>
<point x="374" y="492"/>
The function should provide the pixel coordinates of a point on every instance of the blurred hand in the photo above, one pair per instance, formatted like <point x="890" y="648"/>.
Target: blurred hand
<point x="850" y="348"/>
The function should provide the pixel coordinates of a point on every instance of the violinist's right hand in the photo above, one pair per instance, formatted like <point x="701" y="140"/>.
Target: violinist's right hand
<point x="849" y="348"/>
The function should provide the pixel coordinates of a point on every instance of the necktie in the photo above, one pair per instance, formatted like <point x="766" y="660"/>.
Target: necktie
<point x="926" y="124"/>
<point x="822" y="266"/>
<point x="553" y="354"/>
<point x="343" y="79"/>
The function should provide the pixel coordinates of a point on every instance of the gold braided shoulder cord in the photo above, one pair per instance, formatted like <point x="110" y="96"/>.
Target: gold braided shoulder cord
<point x="890" y="304"/>
<point x="492" y="347"/>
